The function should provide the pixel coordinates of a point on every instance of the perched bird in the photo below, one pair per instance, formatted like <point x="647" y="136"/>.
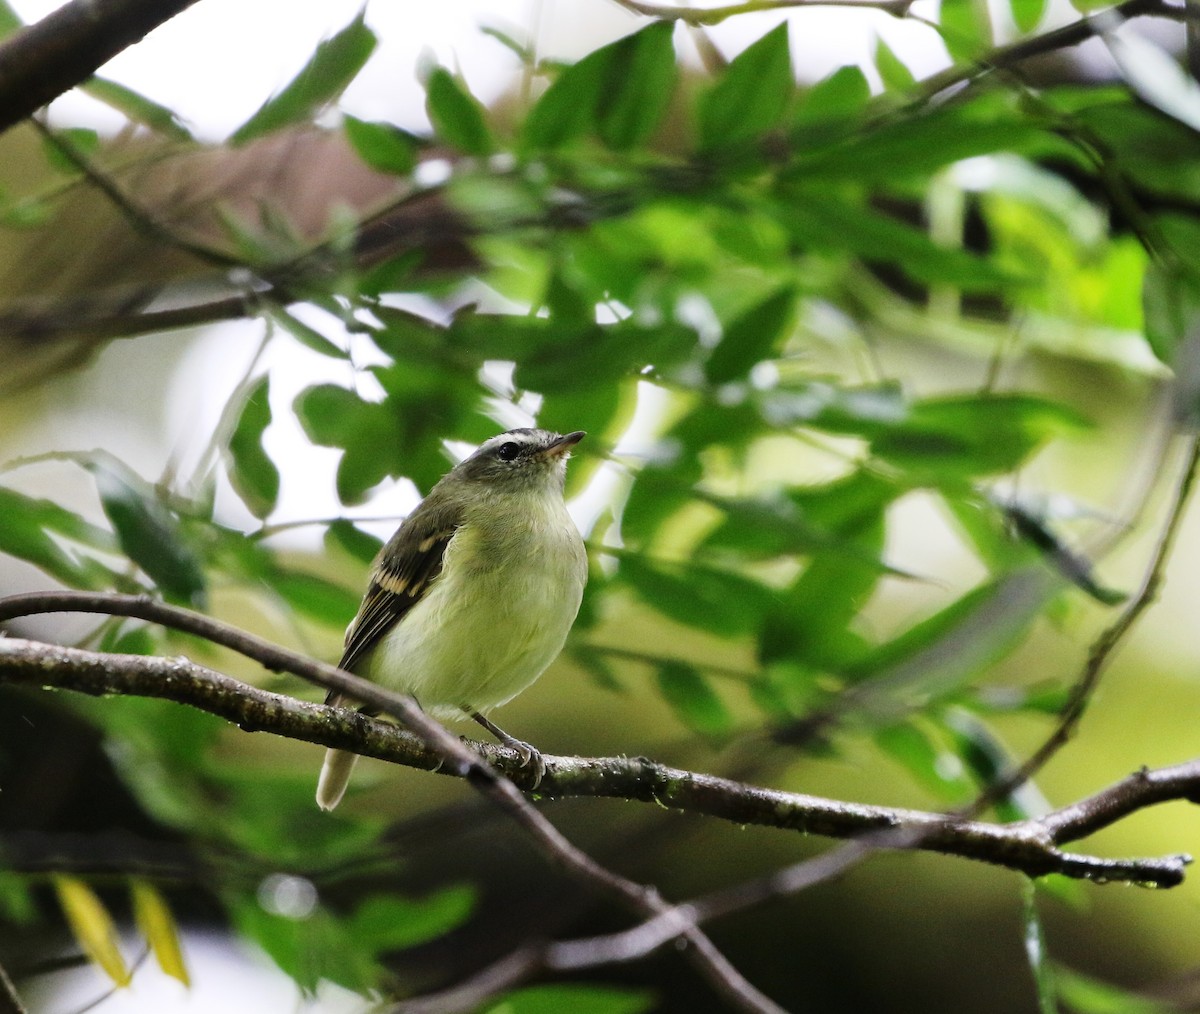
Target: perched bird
<point x="472" y="598"/>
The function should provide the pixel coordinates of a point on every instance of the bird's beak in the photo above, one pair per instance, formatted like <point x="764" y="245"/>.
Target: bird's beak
<point x="562" y="445"/>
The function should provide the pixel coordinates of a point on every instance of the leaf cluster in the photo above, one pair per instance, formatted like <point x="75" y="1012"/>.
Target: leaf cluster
<point x="730" y="260"/>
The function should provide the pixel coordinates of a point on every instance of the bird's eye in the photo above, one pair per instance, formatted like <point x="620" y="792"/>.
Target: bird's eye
<point x="508" y="451"/>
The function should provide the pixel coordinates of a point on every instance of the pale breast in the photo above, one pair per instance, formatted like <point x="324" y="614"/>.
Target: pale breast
<point x="495" y="618"/>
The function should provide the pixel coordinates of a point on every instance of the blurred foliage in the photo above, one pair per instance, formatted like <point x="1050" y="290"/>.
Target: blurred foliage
<point x="735" y="255"/>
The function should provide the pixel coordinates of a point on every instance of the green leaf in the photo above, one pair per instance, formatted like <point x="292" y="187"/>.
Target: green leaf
<point x="578" y="998"/>
<point x="331" y="68"/>
<point x="25" y="213"/>
<point x="80" y="140"/>
<point x="1069" y="562"/>
<point x="24" y="535"/>
<point x="925" y="760"/>
<point x="752" y="337"/>
<point x="353" y="540"/>
<point x="752" y="95"/>
<point x="828" y="406"/>
<point x="307" y="336"/>
<point x="693" y="699"/>
<point x="387" y="922"/>
<point x="92" y="927"/>
<point x="1028" y="13"/>
<point x="913" y="146"/>
<point x="965" y="28"/>
<point x="316" y="597"/>
<point x="335" y="417"/>
<point x="137" y="108"/>
<point x="148" y="532"/>
<point x="828" y="224"/>
<point x="765" y="527"/>
<point x="839" y="97"/>
<point x="893" y="72"/>
<point x="456" y="115"/>
<point x="17" y="904"/>
<point x="597" y="666"/>
<point x="251" y="471"/>
<point x="1171" y="306"/>
<point x="157" y="925"/>
<point x="618" y="93"/>
<point x="973" y="436"/>
<point x="308" y="947"/>
<point x="382" y="146"/>
<point x="989" y="762"/>
<point x="1083" y="994"/>
<point x="707" y="598"/>
<point x="808" y="621"/>
<point x="132" y="641"/>
<point x="939" y="654"/>
<point x="629" y="114"/>
<point x="10" y="21"/>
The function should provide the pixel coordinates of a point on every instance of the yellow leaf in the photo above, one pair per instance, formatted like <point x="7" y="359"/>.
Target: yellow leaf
<point x="93" y="926"/>
<point x="157" y="924"/>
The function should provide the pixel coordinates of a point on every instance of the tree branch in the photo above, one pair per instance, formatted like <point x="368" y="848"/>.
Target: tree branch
<point x="1031" y="847"/>
<point x="43" y="661"/>
<point x="702" y="16"/>
<point x="44" y="60"/>
<point x="1003" y="57"/>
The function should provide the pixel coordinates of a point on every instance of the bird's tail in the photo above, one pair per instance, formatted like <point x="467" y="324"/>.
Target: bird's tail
<point x="335" y="775"/>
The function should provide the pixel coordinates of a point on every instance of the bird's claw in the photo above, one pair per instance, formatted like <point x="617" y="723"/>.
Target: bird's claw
<point x="530" y="755"/>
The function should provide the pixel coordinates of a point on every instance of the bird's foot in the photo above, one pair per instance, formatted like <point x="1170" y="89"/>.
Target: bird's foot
<point x="529" y="754"/>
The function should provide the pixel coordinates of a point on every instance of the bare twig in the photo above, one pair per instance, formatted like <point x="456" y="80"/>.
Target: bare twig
<point x="10" y="1002"/>
<point x="65" y="48"/>
<point x="451" y="751"/>
<point x="1068" y="824"/>
<point x="1003" y="57"/>
<point x="1106" y="644"/>
<point x="1032" y="847"/>
<point x="702" y="16"/>
<point x="129" y="209"/>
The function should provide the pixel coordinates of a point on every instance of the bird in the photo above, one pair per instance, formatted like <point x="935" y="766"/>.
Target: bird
<point x="472" y="598"/>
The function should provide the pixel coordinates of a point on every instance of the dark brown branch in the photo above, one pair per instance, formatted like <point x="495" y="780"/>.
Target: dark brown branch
<point x="64" y="49"/>
<point x="451" y="751"/>
<point x="1068" y="824"/>
<point x="1031" y="847"/>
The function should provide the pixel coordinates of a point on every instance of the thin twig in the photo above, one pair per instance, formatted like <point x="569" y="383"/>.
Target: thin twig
<point x="1025" y="49"/>
<point x="703" y="16"/>
<point x="1032" y="847"/>
<point x="454" y="754"/>
<point x="130" y="210"/>
<point x="10" y="1002"/>
<point x="1067" y="824"/>
<point x="472" y="993"/>
<point x="1106" y="644"/>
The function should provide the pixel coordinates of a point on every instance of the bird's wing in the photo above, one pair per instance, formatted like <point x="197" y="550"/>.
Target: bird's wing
<point x="402" y="574"/>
